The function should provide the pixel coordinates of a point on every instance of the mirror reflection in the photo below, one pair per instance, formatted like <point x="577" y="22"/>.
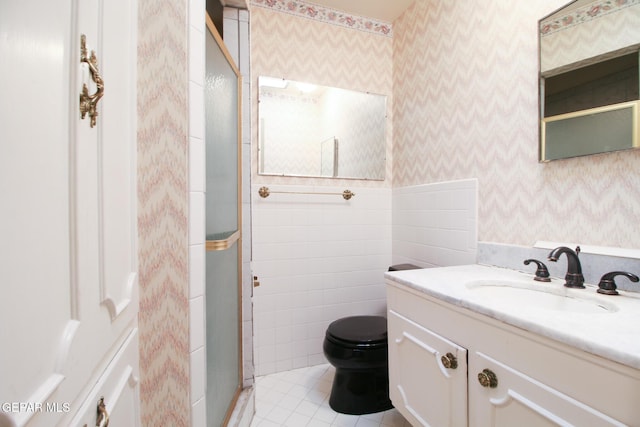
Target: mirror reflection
<point x="589" y="73"/>
<point x="320" y="131"/>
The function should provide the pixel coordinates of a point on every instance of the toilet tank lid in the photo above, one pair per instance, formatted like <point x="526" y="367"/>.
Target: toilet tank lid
<point x="359" y="329"/>
<point x="400" y="267"/>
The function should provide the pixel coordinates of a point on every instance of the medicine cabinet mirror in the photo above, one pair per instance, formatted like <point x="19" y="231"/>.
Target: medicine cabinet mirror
<point x="589" y="74"/>
<point x="320" y="131"/>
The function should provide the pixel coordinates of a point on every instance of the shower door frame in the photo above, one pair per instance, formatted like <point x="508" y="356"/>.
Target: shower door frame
<point x="236" y="237"/>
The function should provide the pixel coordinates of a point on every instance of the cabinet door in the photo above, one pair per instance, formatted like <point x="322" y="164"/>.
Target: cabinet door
<point x="117" y="388"/>
<point x="69" y="229"/>
<point x="518" y="399"/>
<point x="421" y="387"/>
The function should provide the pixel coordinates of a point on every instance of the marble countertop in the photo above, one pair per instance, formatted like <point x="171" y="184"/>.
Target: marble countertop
<point x="609" y="326"/>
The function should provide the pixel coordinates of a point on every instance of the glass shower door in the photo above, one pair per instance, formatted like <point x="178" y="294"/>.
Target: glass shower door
<point x="223" y="259"/>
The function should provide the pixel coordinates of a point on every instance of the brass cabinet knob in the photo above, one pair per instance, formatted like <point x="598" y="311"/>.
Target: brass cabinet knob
<point x="488" y="379"/>
<point x="449" y="361"/>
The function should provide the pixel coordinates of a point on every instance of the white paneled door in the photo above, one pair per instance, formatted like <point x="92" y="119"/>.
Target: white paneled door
<point x="68" y="237"/>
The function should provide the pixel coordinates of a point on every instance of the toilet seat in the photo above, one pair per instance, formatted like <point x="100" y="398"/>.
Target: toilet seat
<point x="358" y="332"/>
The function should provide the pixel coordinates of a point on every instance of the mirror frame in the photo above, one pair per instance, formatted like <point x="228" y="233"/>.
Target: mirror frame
<point x="597" y="111"/>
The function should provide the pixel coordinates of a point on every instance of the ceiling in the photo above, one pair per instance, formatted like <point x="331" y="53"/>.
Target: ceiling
<point x="384" y="10"/>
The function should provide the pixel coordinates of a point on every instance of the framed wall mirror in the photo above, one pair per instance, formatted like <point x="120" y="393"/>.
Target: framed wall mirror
<point x="320" y="131"/>
<point x="589" y="79"/>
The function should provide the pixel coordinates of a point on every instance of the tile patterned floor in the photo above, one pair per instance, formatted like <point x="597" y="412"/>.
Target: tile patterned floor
<point x="300" y="398"/>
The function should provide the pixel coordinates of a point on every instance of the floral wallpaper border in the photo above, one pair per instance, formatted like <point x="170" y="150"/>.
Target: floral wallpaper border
<point x="583" y="14"/>
<point x="326" y="15"/>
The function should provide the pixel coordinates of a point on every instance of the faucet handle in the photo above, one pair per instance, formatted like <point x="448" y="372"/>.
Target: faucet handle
<point x="542" y="274"/>
<point x="607" y="283"/>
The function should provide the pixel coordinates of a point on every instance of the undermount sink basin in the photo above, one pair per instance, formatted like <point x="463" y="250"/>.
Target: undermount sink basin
<point x="515" y="295"/>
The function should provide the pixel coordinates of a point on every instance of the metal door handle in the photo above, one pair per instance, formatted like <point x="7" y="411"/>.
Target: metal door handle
<point x="89" y="103"/>
<point x="103" y="416"/>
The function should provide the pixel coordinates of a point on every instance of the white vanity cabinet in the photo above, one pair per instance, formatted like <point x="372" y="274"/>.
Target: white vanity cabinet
<point x="417" y="356"/>
<point x="528" y="380"/>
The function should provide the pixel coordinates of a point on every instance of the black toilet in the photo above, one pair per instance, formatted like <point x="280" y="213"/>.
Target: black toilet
<point x="357" y="347"/>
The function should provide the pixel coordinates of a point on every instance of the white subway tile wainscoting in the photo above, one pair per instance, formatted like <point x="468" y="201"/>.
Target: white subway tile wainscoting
<point x="435" y="225"/>
<point x="318" y="258"/>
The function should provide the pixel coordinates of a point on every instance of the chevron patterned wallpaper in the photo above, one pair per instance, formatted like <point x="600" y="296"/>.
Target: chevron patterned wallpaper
<point x="163" y="226"/>
<point x="465" y="106"/>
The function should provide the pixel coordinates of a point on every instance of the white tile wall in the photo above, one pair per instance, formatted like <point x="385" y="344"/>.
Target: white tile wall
<point x="436" y="224"/>
<point x="318" y="258"/>
<point x="197" y="227"/>
<point x="196" y="324"/>
<point x="198" y="361"/>
<point x="196" y="211"/>
<point x="196" y="270"/>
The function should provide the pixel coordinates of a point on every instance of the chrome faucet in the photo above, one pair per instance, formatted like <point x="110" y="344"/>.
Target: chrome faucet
<point x="574" y="277"/>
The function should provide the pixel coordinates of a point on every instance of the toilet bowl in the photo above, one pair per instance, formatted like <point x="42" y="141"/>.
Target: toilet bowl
<point x="357" y="347"/>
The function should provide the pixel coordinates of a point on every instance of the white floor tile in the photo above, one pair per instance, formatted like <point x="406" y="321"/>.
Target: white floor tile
<point x="298" y="390"/>
<point x="300" y="398"/>
<point x="283" y="386"/>
<point x="325" y="414"/>
<point x="317" y="423"/>
<point x="365" y="422"/>
<point x="278" y="415"/>
<point x="377" y="417"/>
<point x="308" y="408"/>
<point x="267" y="423"/>
<point x="316" y="396"/>
<point x="297" y="420"/>
<point x="270" y="396"/>
<point x="344" y="420"/>
<point x="291" y="401"/>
